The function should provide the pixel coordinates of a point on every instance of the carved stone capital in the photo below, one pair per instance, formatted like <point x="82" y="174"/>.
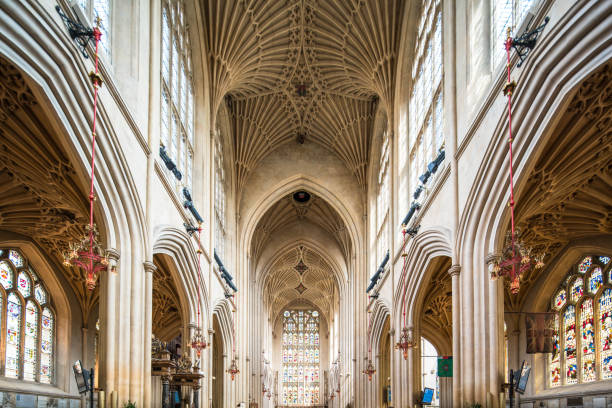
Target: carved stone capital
<point x="113" y="255"/>
<point x="149" y="267"/>
<point x="454" y="270"/>
<point x="490" y="258"/>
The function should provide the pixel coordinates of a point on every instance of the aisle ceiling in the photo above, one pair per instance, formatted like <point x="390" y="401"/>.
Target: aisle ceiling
<point x="315" y="69"/>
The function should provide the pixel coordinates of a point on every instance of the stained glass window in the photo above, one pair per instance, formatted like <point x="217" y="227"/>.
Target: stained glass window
<point x="300" y="358"/>
<point x="588" y="340"/>
<point x="46" y="346"/>
<point x="31" y="342"/>
<point x="560" y="299"/>
<point x="13" y="336"/>
<point x="426" y="111"/>
<point x="6" y="275"/>
<point x="555" y="359"/>
<point x="577" y="290"/>
<point x="177" y="90"/>
<point x="585" y="264"/>
<point x="596" y="280"/>
<point x="583" y="327"/>
<point x="28" y="341"/>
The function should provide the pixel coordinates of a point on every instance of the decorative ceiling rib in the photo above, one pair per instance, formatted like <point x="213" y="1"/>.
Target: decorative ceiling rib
<point x="565" y="197"/>
<point x="299" y="274"/>
<point x="287" y="211"/>
<point x="38" y="186"/>
<point x="307" y="69"/>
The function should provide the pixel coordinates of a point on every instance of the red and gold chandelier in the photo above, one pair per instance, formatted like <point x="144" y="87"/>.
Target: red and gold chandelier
<point x="233" y="369"/>
<point x="516" y="258"/>
<point x="369" y="370"/>
<point x="86" y="253"/>
<point x="405" y="343"/>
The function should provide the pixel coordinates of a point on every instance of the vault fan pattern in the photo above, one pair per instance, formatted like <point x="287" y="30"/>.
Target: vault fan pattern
<point x="306" y="70"/>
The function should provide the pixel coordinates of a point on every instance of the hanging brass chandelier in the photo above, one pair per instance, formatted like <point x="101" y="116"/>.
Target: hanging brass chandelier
<point x="405" y="342"/>
<point x="233" y="369"/>
<point x="87" y="253"/>
<point x="516" y="258"/>
<point x="198" y="342"/>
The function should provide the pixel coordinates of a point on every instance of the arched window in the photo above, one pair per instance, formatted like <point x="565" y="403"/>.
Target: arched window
<point x="582" y="334"/>
<point x="426" y="110"/>
<point x="28" y="323"/>
<point x="382" y="201"/>
<point x="300" y="358"/>
<point x="177" y="89"/>
<point x="505" y="13"/>
<point x="102" y="9"/>
<point x="429" y="370"/>
<point x="219" y="198"/>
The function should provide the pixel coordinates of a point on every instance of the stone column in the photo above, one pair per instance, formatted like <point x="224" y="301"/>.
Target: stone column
<point x="454" y="272"/>
<point x="149" y="268"/>
<point x="495" y="327"/>
<point x="108" y="324"/>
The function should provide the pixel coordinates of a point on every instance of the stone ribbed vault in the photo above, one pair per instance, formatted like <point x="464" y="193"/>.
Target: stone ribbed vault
<point x="282" y="283"/>
<point x="302" y="68"/>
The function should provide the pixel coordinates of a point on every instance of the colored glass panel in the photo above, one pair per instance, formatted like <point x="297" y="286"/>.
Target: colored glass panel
<point x="560" y="299"/>
<point x="46" y="346"/>
<point x="585" y="264"/>
<point x="588" y="340"/>
<point x="569" y="324"/>
<point x="605" y="315"/>
<point x="23" y="284"/>
<point x="577" y="290"/>
<point x="596" y="280"/>
<point x="31" y="342"/>
<point x="6" y="275"/>
<point x="555" y="363"/>
<point x="13" y="336"/>
<point x="40" y="294"/>
<point x="604" y="259"/>
<point x="300" y="369"/>
<point x="16" y="258"/>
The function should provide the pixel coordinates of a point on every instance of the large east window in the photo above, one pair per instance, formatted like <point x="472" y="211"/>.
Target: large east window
<point x="94" y="9"/>
<point x="27" y="323"/>
<point x="300" y="358"/>
<point x="582" y="334"/>
<point x="425" y="109"/>
<point x="505" y="13"/>
<point x="177" y="89"/>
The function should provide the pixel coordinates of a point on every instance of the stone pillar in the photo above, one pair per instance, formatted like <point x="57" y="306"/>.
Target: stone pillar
<point x="495" y="328"/>
<point x="454" y="272"/>
<point x="108" y="324"/>
<point x="149" y="268"/>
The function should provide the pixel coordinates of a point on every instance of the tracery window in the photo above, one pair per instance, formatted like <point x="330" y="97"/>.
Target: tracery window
<point x="426" y="110"/>
<point x="506" y="13"/>
<point x="27" y="321"/>
<point x="102" y="9"/>
<point x="220" y="231"/>
<point x="382" y="201"/>
<point x="177" y="89"/>
<point x="300" y="358"/>
<point x="582" y="333"/>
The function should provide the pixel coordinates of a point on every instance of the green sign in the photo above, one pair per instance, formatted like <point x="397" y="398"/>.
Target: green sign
<point x="445" y="366"/>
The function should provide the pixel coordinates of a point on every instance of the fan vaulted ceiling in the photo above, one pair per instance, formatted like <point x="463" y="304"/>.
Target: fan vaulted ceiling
<point x="287" y="211"/>
<point x="302" y="68"/>
<point x="300" y="274"/>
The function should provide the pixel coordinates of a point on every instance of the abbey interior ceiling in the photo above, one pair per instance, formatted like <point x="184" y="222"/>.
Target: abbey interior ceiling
<point x="40" y="194"/>
<point x="308" y="70"/>
<point x="565" y="197"/>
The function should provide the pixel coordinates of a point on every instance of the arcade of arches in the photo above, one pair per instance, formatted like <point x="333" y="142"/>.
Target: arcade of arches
<point x="288" y="190"/>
